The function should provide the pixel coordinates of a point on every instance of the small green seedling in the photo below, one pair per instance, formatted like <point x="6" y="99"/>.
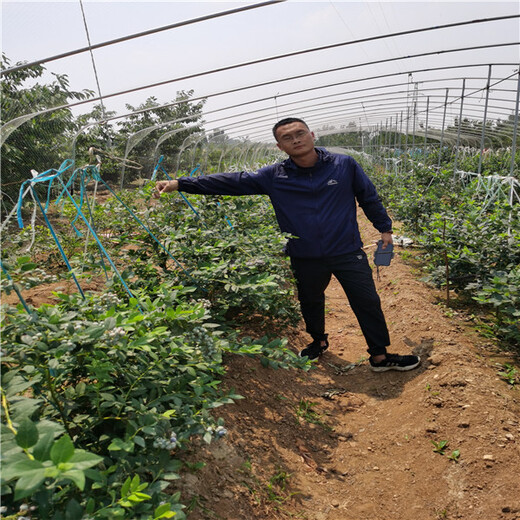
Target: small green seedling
<point x="277" y="487"/>
<point x="455" y="454"/>
<point x="439" y="447"/>
<point x="305" y="410"/>
<point x="509" y="374"/>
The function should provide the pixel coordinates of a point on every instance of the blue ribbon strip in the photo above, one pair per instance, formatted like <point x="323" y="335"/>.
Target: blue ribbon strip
<point x="159" y="167"/>
<point x="16" y="290"/>
<point x="86" y="174"/>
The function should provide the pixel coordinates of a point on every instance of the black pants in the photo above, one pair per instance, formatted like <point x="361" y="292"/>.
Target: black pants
<point x="355" y="276"/>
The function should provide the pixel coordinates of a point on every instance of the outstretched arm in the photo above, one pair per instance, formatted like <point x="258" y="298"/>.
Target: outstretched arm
<point x="233" y="183"/>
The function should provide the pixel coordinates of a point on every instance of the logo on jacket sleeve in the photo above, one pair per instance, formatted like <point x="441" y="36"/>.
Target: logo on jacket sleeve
<point x="332" y="182"/>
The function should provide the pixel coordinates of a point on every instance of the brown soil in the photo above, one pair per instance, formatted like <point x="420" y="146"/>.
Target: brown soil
<point x="365" y="450"/>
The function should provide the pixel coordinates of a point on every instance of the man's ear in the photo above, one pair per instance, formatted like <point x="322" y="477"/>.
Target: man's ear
<point x="279" y="147"/>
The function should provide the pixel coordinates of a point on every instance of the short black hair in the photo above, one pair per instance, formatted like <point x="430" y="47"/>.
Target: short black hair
<point x="287" y="121"/>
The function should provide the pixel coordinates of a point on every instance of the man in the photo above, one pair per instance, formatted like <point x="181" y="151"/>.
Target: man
<point x="314" y="196"/>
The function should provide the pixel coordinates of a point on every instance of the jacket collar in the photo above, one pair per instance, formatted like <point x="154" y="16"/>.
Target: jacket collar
<point x="323" y="156"/>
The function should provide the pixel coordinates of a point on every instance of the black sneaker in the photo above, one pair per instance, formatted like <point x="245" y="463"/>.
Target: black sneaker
<point x="395" y="362"/>
<point x="314" y="350"/>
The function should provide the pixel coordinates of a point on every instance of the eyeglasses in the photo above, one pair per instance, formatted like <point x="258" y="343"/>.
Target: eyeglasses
<point x="288" y="138"/>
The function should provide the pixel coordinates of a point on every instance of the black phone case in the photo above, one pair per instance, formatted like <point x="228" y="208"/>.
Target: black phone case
<point x="383" y="256"/>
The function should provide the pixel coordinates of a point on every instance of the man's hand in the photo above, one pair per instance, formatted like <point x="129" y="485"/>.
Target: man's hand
<point x="387" y="239"/>
<point x="165" y="187"/>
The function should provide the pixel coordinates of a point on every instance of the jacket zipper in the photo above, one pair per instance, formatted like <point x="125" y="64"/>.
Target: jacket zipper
<point x="316" y="213"/>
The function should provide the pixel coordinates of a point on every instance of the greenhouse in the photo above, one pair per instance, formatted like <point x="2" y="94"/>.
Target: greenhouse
<point x="150" y="337"/>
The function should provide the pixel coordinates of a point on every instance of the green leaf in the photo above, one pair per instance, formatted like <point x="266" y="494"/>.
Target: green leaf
<point x="27" y="434"/>
<point x="83" y="459"/>
<point x="28" y="483"/>
<point x="163" y="511"/>
<point x="125" y="488"/>
<point x="91" y="504"/>
<point x="23" y="407"/>
<point x="140" y="441"/>
<point x="138" y="497"/>
<point x="73" y="510"/>
<point x="80" y="388"/>
<point x="23" y="260"/>
<point x="77" y="476"/>
<point x="95" y="331"/>
<point x="118" y="444"/>
<point x="171" y="476"/>
<point x="45" y="426"/>
<point x="134" y="484"/>
<point x="28" y="267"/>
<point x="19" y="385"/>
<point x="42" y="450"/>
<point x="62" y="450"/>
<point x="21" y="468"/>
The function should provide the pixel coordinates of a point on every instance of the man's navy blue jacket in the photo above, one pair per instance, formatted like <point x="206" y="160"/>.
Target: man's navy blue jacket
<point x="317" y="205"/>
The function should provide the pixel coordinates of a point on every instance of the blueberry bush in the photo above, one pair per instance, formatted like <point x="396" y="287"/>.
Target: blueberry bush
<point x="469" y="237"/>
<point x="102" y="393"/>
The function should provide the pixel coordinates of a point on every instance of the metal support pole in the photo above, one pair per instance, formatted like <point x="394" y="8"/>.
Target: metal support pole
<point x="396" y="132"/>
<point x="386" y="134"/>
<point x="413" y="124"/>
<point x="415" y="94"/>
<point x="390" y="134"/>
<point x="515" y="128"/>
<point x="360" y="136"/>
<point x="458" y="130"/>
<point x="442" y="129"/>
<point x="406" y="134"/>
<point x="426" y="122"/>
<point x="400" y="135"/>
<point x="483" y="137"/>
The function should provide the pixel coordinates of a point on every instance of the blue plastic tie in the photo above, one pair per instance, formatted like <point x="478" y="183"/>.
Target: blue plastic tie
<point x="16" y="290"/>
<point x="50" y="175"/>
<point x="134" y="216"/>
<point x="62" y="252"/>
<point x="227" y="220"/>
<point x="99" y="247"/>
<point x="157" y="168"/>
<point x="96" y="238"/>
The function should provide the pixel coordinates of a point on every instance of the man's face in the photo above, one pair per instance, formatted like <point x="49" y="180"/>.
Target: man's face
<point x="295" y="139"/>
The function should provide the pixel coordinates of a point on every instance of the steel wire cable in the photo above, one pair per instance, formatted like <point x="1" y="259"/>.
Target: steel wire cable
<point x="239" y="129"/>
<point x="92" y="58"/>
<point x="268" y="98"/>
<point x="139" y="35"/>
<point x="341" y="102"/>
<point x="353" y="112"/>
<point x="8" y="127"/>
<point x="218" y="120"/>
<point x="498" y="81"/>
<point x="13" y="124"/>
<point x="291" y="78"/>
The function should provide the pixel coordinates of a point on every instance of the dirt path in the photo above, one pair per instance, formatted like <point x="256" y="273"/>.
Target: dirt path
<point x="344" y="443"/>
